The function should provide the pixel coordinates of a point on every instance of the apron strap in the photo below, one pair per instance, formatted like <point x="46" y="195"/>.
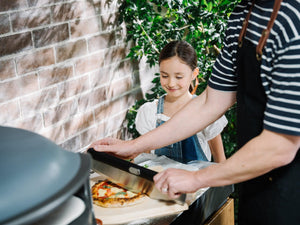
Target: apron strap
<point x="160" y="105"/>
<point x="160" y="109"/>
<point x="245" y="25"/>
<point x="266" y="32"/>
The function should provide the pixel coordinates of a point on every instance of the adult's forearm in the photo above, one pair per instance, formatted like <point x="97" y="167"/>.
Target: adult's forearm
<point x="193" y="117"/>
<point x="259" y="156"/>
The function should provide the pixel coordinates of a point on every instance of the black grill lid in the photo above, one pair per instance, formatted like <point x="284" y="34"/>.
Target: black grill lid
<point x="32" y="170"/>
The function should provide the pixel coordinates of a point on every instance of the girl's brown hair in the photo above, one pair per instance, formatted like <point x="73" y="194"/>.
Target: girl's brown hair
<point x="182" y="50"/>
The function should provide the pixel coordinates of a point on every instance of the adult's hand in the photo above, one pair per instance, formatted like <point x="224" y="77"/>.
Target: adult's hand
<point x="176" y="181"/>
<point x="120" y="148"/>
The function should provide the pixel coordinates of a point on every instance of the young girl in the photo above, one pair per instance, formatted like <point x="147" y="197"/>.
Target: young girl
<point x="178" y="68"/>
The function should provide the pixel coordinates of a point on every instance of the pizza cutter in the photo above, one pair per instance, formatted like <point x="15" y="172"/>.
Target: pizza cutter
<point x="129" y="175"/>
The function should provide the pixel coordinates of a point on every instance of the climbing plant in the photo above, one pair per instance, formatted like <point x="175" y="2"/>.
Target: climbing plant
<point x="151" y="24"/>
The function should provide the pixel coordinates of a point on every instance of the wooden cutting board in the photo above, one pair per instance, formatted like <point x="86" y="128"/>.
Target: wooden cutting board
<point x="147" y="209"/>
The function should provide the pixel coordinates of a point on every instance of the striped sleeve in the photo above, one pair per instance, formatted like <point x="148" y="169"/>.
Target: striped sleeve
<point x="282" y="113"/>
<point x="223" y="72"/>
<point x="280" y="71"/>
<point x="280" y="68"/>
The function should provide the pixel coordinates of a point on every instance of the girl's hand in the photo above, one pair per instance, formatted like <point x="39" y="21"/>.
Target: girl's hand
<point x="120" y="148"/>
<point x="176" y="181"/>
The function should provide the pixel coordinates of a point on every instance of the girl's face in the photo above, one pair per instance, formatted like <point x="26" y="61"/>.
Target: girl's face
<point x="176" y="76"/>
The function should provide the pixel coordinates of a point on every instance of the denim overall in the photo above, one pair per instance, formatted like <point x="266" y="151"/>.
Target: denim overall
<point x="182" y="151"/>
<point x="273" y="198"/>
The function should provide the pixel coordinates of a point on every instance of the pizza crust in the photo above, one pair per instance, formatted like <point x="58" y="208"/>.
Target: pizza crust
<point x="119" y="202"/>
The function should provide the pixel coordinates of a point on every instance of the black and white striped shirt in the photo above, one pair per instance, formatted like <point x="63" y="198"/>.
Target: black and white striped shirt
<point x="280" y="68"/>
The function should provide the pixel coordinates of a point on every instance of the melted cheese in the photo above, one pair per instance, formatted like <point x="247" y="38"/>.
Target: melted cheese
<point x="130" y="194"/>
<point x="115" y="190"/>
<point x="115" y="193"/>
<point x="101" y="192"/>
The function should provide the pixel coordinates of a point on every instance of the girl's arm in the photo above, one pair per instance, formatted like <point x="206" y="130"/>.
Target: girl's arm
<point x="217" y="149"/>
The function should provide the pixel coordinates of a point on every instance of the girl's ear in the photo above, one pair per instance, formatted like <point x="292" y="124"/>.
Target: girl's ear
<point x="195" y="72"/>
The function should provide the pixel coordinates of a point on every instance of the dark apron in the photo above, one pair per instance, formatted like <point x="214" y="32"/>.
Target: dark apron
<point x="274" y="198"/>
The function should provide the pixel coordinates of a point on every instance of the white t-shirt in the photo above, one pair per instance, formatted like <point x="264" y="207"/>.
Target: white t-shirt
<point x="146" y="117"/>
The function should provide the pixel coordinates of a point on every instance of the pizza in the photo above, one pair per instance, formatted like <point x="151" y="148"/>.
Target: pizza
<point x="110" y="195"/>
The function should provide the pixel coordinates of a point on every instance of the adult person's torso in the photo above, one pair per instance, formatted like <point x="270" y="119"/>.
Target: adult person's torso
<point x="268" y="199"/>
<point x="278" y="65"/>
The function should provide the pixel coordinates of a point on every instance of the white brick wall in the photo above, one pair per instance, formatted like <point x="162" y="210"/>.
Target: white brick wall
<point x="63" y="72"/>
